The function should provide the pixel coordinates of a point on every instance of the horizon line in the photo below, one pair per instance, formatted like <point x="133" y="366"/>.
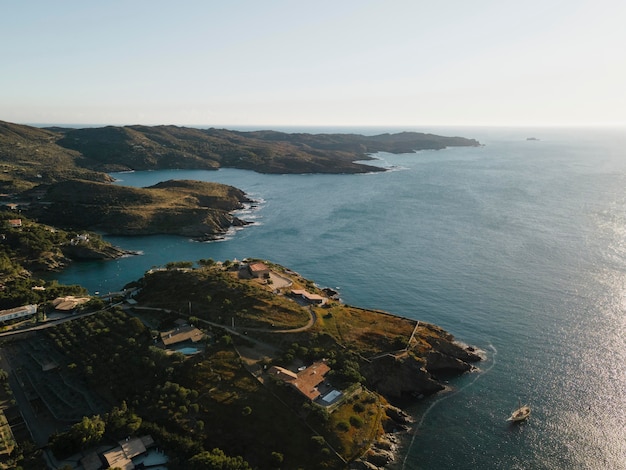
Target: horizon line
<point x="330" y="126"/>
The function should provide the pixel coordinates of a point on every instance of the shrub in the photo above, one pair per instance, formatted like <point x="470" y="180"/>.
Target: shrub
<point x="343" y="426"/>
<point x="356" y="421"/>
<point x="358" y="407"/>
<point x="277" y="459"/>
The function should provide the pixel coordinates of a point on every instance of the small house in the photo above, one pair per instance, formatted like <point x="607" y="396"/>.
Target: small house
<point x="306" y="381"/>
<point x="128" y="449"/>
<point x="308" y="297"/>
<point x="181" y="334"/>
<point x="259" y="270"/>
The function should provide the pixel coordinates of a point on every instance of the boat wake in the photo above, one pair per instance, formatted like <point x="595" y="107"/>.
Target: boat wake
<point x="418" y="425"/>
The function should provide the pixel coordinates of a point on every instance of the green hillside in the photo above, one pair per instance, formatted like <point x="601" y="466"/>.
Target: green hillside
<point x="190" y="208"/>
<point x="30" y="156"/>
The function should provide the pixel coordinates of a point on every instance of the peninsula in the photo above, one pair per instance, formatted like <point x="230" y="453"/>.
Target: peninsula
<point x="31" y="156"/>
<point x="245" y="363"/>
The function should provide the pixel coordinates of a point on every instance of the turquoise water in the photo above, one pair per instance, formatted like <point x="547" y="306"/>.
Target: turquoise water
<point x="188" y="351"/>
<point x="517" y="247"/>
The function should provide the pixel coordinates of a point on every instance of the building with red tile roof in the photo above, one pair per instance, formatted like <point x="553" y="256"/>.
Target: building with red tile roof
<point x="306" y="381"/>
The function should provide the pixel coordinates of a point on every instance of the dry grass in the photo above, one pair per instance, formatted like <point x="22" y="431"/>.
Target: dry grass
<point x="356" y="423"/>
<point x="370" y="332"/>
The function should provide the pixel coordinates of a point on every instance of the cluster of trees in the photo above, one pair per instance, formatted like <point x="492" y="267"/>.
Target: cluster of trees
<point x="131" y="362"/>
<point x="217" y="293"/>
<point x="143" y="379"/>
<point x="26" y="290"/>
<point x="120" y="422"/>
<point x="216" y="459"/>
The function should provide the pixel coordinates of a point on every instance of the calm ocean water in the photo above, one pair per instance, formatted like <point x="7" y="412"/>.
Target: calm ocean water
<point x="517" y="247"/>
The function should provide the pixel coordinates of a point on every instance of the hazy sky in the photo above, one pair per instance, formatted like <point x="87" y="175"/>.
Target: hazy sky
<point x="341" y="62"/>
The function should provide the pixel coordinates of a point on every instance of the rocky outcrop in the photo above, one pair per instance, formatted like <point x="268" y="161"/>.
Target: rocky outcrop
<point x="89" y="252"/>
<point x="397" y="419"/>
<point x="383" y="452"/>
<point x="49" y="261"/>
<point x="379" y="457"/>
<point x="396" y="375"/>
<point x="415" y="371"/>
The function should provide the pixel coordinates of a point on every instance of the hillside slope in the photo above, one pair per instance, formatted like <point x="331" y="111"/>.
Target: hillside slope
<point x="189" y="208"/>
<point x="30" y="156"/>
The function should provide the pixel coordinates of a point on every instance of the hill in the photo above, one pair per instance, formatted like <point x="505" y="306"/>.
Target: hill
<point x="30" y="156"/>
<point x="143" y="148"/>
<point x="190" y="208"/>
<point x="285" y="320"/>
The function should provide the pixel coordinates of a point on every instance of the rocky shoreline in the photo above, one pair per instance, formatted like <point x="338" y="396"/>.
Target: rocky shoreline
<point x="86" y="252"/>
<point x="404" y="374"/>
<point x="384" y="451"/>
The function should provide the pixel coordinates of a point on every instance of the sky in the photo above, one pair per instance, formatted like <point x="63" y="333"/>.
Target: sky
<point x="313" y="63"/>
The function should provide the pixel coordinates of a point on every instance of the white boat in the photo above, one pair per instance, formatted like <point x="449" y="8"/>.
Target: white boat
<point x="520" y="414"/>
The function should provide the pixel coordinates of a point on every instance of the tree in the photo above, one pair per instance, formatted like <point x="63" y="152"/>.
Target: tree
<point x="121" y="421"/>
<point x="179" y="265"/>
<point x="277" y="459"/>
<point x="217" y="460"/>
<point x="88" y="431"/>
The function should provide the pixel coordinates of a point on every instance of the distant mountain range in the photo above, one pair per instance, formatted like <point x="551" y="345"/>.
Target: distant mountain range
<point x="30" y="156"/>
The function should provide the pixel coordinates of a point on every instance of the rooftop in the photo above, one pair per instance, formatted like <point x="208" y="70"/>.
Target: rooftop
<point x="180" y="334"/>
<point x="305" y="381"/>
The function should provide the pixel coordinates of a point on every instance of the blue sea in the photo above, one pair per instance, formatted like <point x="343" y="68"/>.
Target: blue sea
<point x="517" y="247"/>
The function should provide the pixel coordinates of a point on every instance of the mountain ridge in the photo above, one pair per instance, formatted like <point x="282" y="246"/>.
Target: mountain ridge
<point x="30" y="155"/>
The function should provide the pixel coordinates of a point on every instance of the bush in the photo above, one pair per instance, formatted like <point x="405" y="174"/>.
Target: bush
<point x="217" y="460"/>
<point x="358" y="407"/>
<point x="319" y="441"/>
<point x="356" y="421"/>
<point x="343" y="426"/>
<point x="277" y="459"/>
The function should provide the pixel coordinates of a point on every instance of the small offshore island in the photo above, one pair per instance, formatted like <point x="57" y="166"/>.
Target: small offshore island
<point x="231" y="364"/>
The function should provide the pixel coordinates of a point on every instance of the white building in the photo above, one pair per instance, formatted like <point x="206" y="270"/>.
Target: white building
<point x="17" y="312"/>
